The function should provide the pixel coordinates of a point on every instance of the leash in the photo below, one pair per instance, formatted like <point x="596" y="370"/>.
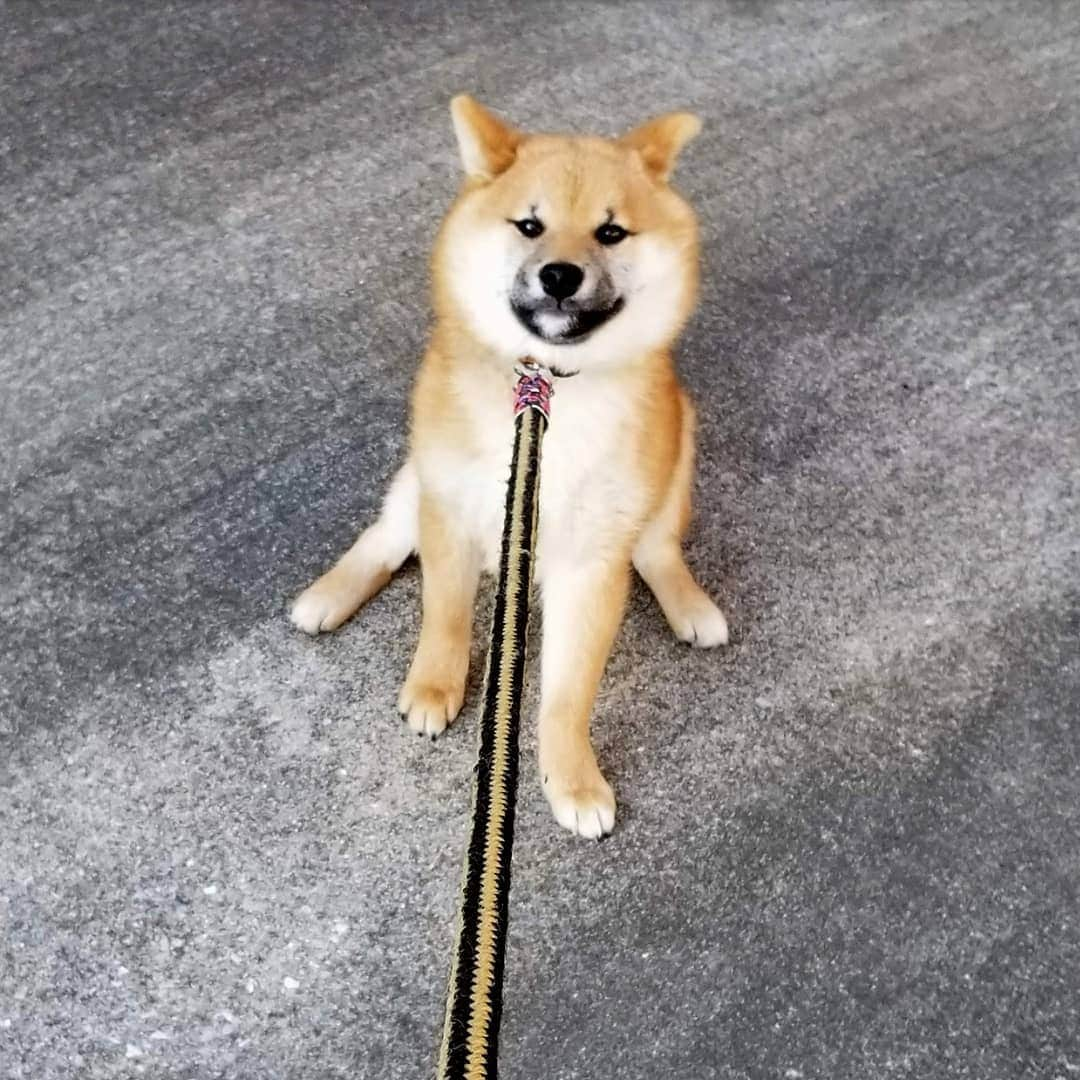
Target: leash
<point x="474" y="998"/>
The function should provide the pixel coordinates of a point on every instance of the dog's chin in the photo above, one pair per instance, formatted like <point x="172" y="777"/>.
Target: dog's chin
<point x="554" y="326"/>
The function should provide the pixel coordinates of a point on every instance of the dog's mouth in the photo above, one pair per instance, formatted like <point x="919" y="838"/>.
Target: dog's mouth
<point x="563" y="323"/>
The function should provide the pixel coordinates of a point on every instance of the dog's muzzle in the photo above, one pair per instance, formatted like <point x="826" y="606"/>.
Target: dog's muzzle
<point x="562" y="322"/>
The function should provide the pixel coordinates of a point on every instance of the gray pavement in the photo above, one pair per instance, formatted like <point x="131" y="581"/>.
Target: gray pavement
<point x="848" y="846"/>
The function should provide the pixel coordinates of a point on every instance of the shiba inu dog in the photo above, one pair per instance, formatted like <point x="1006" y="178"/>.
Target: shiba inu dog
<point x="576" y="252"/>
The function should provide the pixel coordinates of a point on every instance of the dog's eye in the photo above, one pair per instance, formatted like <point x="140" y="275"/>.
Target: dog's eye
<point x="530" y="227"/>
<point x="609" y="233"/>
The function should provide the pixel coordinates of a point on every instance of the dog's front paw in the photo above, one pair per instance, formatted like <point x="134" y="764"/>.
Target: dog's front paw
<point x="582" y="802"/>
<point x="429" y="707"/>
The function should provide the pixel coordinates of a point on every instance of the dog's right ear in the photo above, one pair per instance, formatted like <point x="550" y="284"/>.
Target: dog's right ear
<point x="487" y="145"/>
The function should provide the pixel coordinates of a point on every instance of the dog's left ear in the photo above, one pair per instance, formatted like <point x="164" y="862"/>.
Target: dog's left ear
<point x="488" y="146"/>
<point x="659" y="141"/>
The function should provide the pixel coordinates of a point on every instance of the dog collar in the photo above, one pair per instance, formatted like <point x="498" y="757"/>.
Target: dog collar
<point x="535" y="388"/>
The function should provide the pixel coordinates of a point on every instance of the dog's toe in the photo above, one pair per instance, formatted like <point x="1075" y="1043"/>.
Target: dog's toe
<point x="316" y="610"/>
<point x="702" y="624"/>
<point x="585" y="807"/>
<point x="428" y="709"/>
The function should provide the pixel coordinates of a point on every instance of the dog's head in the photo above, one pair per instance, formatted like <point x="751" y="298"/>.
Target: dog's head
<point x="573" y="250"/>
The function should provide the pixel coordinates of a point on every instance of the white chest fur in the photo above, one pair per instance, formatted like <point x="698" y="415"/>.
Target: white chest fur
<point x="588" y="499"/>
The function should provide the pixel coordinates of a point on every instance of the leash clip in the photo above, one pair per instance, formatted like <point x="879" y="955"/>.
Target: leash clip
<point x="534" y="389"/>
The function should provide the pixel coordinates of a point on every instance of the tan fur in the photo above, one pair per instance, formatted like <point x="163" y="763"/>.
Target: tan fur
<point x="618" y="456"/>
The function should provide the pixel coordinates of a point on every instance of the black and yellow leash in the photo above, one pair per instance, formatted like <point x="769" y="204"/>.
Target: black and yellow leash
<point x="474" y="998"/>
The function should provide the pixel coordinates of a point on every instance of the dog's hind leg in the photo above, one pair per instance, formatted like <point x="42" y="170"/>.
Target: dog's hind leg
<point x="658" y="556"/>
<point x="369" y="564"/>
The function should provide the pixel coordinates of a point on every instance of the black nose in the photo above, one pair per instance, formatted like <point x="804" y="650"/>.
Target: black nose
<point x="561" y="280"/>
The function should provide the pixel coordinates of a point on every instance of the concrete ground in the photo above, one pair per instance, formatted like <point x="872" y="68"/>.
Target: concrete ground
<point x="848" y="846"/>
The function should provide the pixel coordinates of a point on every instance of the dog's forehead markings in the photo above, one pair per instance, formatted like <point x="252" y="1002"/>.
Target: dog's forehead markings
<point x="577" y="178"/>
<point x="577" y="186"/>
<point x="584" y="159"/>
